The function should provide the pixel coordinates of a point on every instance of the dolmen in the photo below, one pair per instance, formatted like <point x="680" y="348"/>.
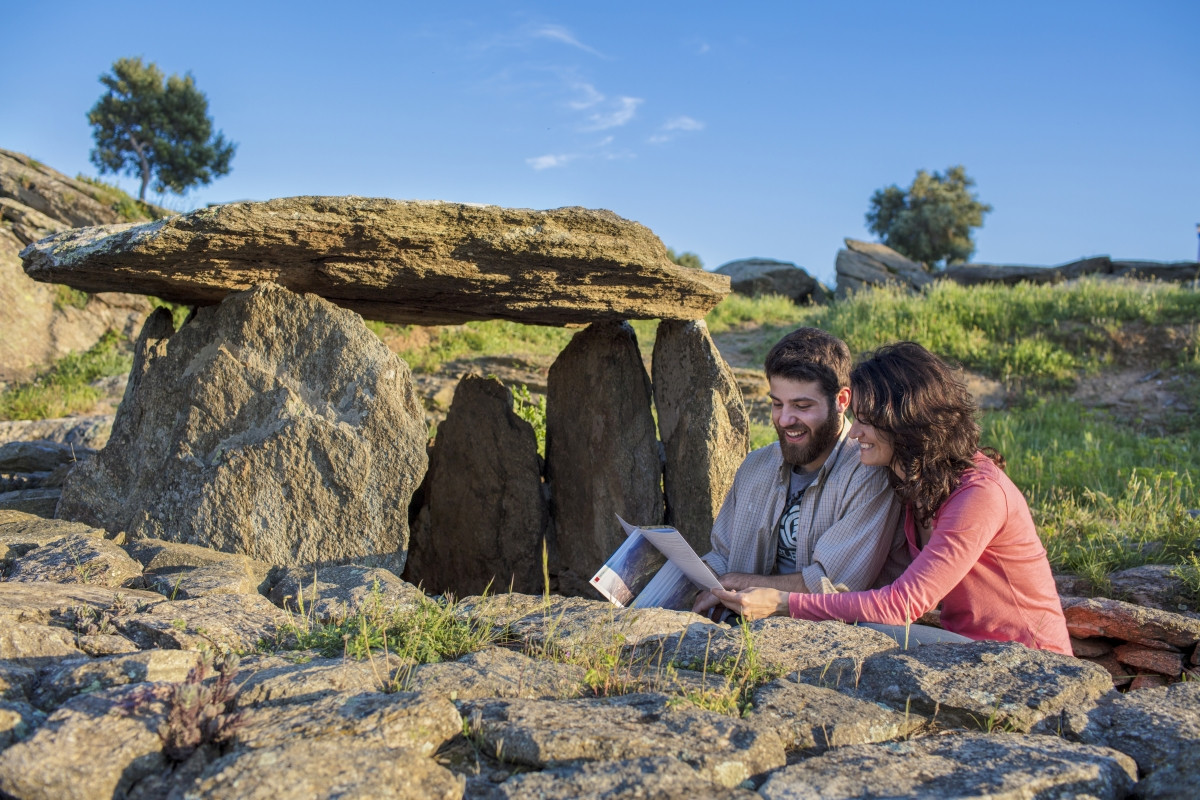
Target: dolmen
<point x="275" y="425"/>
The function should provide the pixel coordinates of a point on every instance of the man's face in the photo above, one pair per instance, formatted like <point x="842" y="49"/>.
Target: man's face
<point x="807" y="424"/>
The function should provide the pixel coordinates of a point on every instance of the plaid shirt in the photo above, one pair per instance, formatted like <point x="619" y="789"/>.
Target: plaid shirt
<point x="853" y="538"/>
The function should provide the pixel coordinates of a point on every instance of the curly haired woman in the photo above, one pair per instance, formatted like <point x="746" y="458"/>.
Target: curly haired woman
<point x="974" y="546"/>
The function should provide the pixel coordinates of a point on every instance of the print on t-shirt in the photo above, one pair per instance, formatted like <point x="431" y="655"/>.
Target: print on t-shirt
<point x="789" y="523"/>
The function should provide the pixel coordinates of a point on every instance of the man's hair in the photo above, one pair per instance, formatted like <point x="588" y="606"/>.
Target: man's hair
<point x="811" y="354"/>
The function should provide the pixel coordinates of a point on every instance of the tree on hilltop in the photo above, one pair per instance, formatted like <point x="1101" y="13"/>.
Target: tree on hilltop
<point x="932" y="219"/>
<point x="152" y="127"/>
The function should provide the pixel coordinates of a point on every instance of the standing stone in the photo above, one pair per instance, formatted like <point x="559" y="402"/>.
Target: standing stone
<point x="487" y="513"/>
<point x="273" y="425"/>
<point x="865" y="264"/>
<point x="705" y="430"/>
<point x="602" y="454"/>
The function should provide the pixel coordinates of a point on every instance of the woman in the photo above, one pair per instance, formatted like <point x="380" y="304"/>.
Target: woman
<point x="974" y="546"/>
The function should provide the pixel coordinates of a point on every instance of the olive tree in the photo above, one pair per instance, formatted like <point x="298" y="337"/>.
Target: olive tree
<point x="932" y="219"/>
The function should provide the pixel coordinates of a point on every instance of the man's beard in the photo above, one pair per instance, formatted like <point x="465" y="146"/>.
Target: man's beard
<point x="818" y="440"/>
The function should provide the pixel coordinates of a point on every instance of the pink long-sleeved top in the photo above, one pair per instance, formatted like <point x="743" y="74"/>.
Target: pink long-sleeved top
<point x="983" y="562"/>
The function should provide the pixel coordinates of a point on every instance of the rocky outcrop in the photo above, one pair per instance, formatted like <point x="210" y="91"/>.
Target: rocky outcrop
<point x="486" y="516"/>
<point x="1140" y="646"/>
<point x="581" y="700"/>
<point x="39" y="323"/>
<point x="274" y="425"/>
<point x="703" y="424"/>
<point x="865" y="264"/>
<point x="602" y="452"/>
<point x="397" y="261"/>
<point x="1099" y="266"/>
<point x="757" y="276"/>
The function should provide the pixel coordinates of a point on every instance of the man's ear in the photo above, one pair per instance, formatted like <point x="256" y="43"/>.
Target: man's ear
<point x="842" y="399"/>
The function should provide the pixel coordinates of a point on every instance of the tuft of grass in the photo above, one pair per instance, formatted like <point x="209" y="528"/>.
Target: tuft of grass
<point x="1189" y="573"/>
<point x="427" y="632"/>
<point x="532" y="409"/>
<point x="65" y="388"/>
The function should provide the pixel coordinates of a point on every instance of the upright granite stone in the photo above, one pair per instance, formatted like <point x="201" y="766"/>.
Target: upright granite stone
<point x="398" y="261"/>
<point x="755" y="276"/>
<point x="704" y="427"/>
<point x="602" y="452"/>
<point x="273" y="425"/>
<point x="487" y="513"/>
<point x="865" y="264"/>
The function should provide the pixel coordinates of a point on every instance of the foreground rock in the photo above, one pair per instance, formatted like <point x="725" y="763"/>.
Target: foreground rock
<point x="399" y="261"/>
<point x="964" y="765"/>
<point x="273" y="425"/>
<point x="981" y="685"/>
<point x="540" y="733"/>
<point x="757" y="276"/>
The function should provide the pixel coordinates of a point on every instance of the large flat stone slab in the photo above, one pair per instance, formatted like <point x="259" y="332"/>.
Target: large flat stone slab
<point x="979" y="686"/>
<point x="541" y="733"/>
<point x="398" y="261"/>
<point x="963" y="765"/>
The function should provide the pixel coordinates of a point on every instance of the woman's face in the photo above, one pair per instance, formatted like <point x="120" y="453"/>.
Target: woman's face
<point x="874" y="446"/>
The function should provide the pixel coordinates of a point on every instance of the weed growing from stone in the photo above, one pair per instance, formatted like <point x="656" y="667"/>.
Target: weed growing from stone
<point x="200" y="709"/>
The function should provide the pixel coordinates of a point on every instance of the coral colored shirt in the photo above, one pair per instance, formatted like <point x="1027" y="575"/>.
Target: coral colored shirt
<point x="983" y="562"/>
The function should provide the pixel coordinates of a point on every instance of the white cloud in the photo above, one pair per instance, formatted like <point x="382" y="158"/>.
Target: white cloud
<point x="590" y="96"/>
<point x="683" y="124"/>
<point x="672" y="127"/>
<point x="549" y="161"/>
<point x="626" y="108"/>
<point x="560" y="34"/>
<point x="702" y="49"/>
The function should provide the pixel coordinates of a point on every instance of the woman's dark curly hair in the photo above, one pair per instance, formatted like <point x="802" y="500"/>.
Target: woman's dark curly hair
<point x="922" y="406"/>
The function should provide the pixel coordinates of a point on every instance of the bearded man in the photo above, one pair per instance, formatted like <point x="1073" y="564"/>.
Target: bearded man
<point x="804" y="514"/>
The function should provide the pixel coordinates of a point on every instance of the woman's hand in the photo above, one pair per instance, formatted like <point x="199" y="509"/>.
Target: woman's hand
<point x="754" y="603"/>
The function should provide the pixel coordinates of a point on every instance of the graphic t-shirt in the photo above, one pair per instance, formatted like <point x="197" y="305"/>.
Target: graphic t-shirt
<point x="789" y="522"/>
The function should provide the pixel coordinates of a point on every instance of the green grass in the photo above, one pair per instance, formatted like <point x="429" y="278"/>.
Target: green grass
<point x="129" y="208"/>
<point x="64" y="388"/>
<point x="68" y="297"/>
<point x="494" y="338"/>
<point x="1040" y="336"/>
<point x="1104" y="495"/>
<point x="426" y="632"/>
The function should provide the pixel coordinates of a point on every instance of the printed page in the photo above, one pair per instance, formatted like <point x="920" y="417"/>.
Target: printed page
<point x="672" y="545"/>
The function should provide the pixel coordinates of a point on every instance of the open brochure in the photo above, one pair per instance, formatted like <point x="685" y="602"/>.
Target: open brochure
<point x="654" y="567"/>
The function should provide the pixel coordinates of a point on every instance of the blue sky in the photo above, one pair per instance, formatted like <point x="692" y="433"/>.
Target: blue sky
<point x="731" y="130"/>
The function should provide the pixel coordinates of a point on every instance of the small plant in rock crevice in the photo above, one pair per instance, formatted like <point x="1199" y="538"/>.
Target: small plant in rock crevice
<point x="200" y="709"/>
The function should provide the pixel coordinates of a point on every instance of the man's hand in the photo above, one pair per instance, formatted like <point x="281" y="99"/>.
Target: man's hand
<point x="737" y="581"/>
<point x="754" y="603"/>
<point x="707" y="604"/>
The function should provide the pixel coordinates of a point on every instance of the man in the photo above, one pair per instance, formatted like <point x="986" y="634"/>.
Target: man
<point x="803" y="514"/>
